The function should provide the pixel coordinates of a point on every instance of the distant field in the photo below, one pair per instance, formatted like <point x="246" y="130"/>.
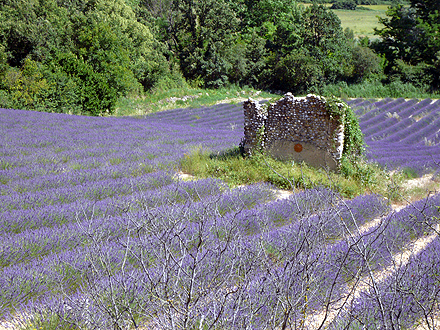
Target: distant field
<point x="362" y="22"/>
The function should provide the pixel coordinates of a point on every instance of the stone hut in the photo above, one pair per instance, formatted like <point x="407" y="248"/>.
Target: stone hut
<point x="297" y="129"/>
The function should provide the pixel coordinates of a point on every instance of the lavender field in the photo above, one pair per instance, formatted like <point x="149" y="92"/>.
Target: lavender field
<point x="98" y="232"/>
<point x="399" y="133"/>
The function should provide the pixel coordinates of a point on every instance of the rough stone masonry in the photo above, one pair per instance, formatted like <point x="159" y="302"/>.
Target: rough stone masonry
<point x="294" y="128"/>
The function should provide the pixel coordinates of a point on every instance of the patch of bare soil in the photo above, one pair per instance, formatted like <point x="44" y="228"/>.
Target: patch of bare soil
<point x="183" y="98"/>
<point x="184" y="176"/>
<point x="434" y="322"/>
<point x="15" y="324"/>
<point x="282" y="194"/>
<point x="239" y="99"/>
<point x="424" y="181"/>
<point x="418" y="188"/>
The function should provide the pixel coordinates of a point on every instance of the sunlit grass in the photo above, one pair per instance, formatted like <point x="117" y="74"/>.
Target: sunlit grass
<point x="184" y="97"/>
<point x="231" y="167"/>
<point x="362" y="21"/>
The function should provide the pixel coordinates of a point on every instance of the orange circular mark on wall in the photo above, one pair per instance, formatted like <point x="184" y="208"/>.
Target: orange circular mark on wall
<point x="298" y="147"/>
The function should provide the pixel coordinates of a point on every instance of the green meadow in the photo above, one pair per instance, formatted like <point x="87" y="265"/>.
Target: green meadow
<point x="362" y="21"/>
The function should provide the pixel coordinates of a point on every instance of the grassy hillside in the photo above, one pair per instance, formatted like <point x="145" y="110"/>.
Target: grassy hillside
<point x="362" y="21"/>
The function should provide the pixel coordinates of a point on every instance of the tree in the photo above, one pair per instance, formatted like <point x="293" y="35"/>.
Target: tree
<point x="399" y="35"/>
<point x="411" y="36"/>
<point x="318" y="51"/>
<point x="3" y="63"/>
<point x="326" y="40"/>
<point x="96" y="47"/>
<point x="201" y="34"/>
<point x="344" y="4"/>
<point x="32" y="28"/>
<point x="365" y="63"/>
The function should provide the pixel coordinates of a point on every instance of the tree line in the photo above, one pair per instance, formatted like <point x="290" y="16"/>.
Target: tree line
<point x="81" y="56"/>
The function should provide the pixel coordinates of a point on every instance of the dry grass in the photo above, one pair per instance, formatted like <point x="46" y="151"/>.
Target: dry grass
<point x="418" y="188"/>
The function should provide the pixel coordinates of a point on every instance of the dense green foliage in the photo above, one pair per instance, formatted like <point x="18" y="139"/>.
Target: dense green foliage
<point x="410" y="43"/>
<point x="75" y="56"/>
<point x="352" y="4"/>
<point x="355" y="2"/>
<point x="354" y="144"/>
<point x="344" y="4"/>
<point x="83" y="56"/>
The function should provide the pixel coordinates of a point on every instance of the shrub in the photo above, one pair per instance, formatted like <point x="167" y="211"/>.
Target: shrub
<point x="297" y="71"/>
<point x="344" y="4"/>
<point x="365" y="63"/>
<point x="418" y="75"/>
<point x="25" y="87"/>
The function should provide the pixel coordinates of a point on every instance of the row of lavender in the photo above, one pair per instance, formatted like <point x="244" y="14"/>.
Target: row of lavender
<point x="400" y="133"/>
<point x="61" y="171"/>
<point x="408" y="298"/>
<point x="232" y="267"/>
<point x="57" y="170"/>
<point x="95" y="231"/>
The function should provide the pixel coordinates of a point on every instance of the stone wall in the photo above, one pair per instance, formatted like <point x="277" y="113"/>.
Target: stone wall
<point x="298" y="129"/>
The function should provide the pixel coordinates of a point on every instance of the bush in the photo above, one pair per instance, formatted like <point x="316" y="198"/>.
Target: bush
<point x="366" y="64"/>
<point x="3" y="64"/>
<point x="344" y="4"/>
<point x="26" y="87"/>
<point x="418" y="75"/>
<point x="97" y="94"/>
<point x="376" y="89"/>
<point x="298" y="72"/>
<point x="67" y="84"/>
<point x="65" y="94"/>
<point x="367" y="2"/>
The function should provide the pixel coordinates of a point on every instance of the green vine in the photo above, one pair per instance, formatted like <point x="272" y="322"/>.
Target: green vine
<point x="336" y="107"/>
<point x="354" y="144"/>
<point x="260" y="139"/>
<point x="265" y="106"/>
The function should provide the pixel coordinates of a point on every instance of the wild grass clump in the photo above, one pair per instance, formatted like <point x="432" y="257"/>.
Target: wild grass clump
<point x="356" y="176"/>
